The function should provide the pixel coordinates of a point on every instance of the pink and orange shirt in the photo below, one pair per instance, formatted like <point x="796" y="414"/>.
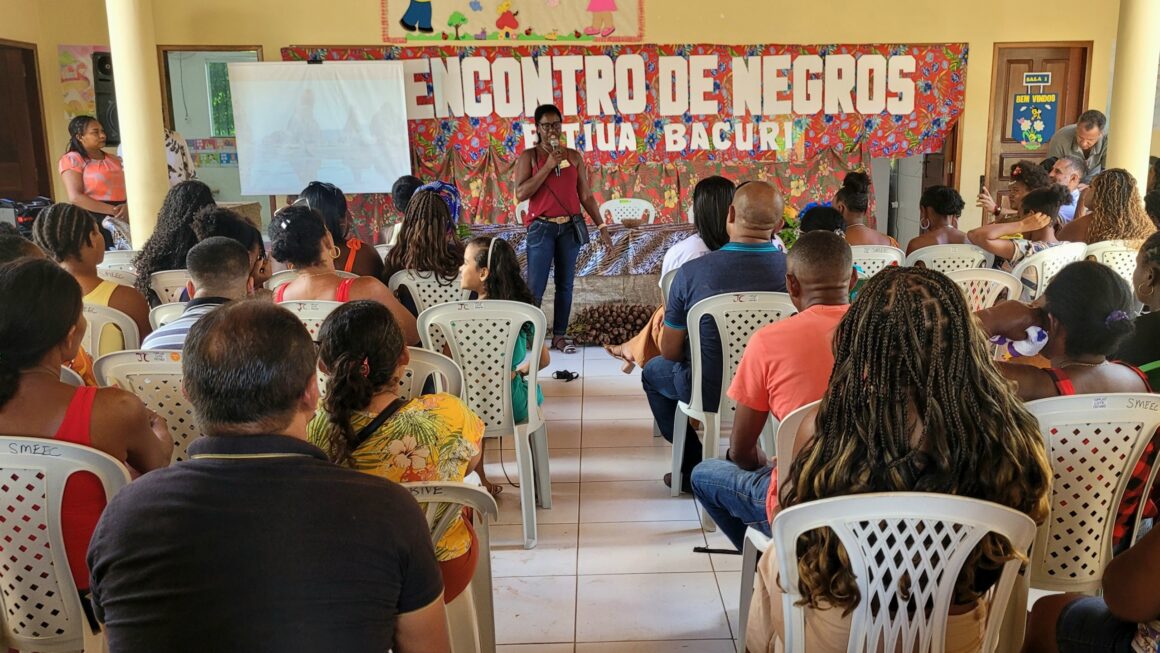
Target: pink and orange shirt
<point x="104" y="179"/>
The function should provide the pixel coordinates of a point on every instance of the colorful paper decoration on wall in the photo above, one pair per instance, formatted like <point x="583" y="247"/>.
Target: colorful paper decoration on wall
<point x="1034" y="118"/>
<point x="499" y="21"/>
<point x="76" y="79"/>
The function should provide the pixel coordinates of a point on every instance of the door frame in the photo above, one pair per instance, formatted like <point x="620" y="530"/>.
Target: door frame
<point x="163" y="68"/>
<point x="39" y="116"/>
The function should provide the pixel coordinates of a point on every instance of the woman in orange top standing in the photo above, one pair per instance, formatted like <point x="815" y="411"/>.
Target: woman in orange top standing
<point x="93" y="178"/>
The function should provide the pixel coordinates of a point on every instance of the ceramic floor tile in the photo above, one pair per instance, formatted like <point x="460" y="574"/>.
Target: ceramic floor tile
<point x="535" y="648"/>
<point x="616" y="608"/>
<point x="561" y="388"/>
<point x="615" y="407"/>
<point x="565" y="505"/>
<point x="607" y="366"/>
<point x="619" y="385"/>
<point x="641" y="548"/>
<point x="554" y="555"/>
<point x="624" y="463"/>
<point x="722" y="562"/>
<point x="693" y="646"/>
<point x="563" y="465"/>
<point x="535" y="610"/>
<point x="596" y="353"/>
<point x="729" y="582"/>
<point x="562" y="434"/>
<point x="562" y="408"/>
<point x="631" y="501"/>
<point x="619" y="433"/>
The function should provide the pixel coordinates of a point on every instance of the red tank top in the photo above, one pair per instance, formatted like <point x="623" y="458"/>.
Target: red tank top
<point x="84" y="496"/>
<point x="558" y="196"/>
<point x="341" y="294"/>
<point x="1065" y="388"/>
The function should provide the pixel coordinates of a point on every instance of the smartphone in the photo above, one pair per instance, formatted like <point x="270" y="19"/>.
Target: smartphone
<point x="982" y="183"/>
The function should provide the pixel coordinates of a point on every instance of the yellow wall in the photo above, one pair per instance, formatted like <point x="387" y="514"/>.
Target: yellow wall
<point x="276" y="23"/>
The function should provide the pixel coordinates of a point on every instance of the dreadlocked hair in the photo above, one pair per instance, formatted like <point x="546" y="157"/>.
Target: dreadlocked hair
<point x="62" y="229"/>
<point x="173" y="237"/>
<point x="1117" y="210"/>
<point x="360" y="345"/>
<point x="914" y="404"/>
<point x="427" y="240"/>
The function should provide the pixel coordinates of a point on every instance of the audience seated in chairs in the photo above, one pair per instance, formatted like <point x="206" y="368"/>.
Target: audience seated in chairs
<point x="258" y="542"/>
<point x="365" y="425"/>
<point x="711" y="199"/>
<point x="1116" y="212"/>
<point x="355" y="256"/>
<point x="41" y="326"/>
<point x="492" y="271"/>
<point x="219" y="221"/>
<point x="749" y="262"/>
<point x="1026" y="176"/>
<point x="71" y="237"/>
<point x="219" y="270"/>
<point x="786" y="366"/>
<point x="914" y="404"/>
<point x="427" y="239"/>
<point x="853" y="201"/>
<point x="940" y="208"/>
<point x="173" y="237"/>
<point x="1142" y="347"/>
<point x="301" y="241"/>
<point x="1011" y="242"/>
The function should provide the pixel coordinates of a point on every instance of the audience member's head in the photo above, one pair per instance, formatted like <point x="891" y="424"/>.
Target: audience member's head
<point x="491" y="270"/>
<point x="1146" y="277"/>
<point x="1048" y="202"/>
<point x="1026" y="176"/>
<point x="427" y="239"/>
<point x="220" y="221"/>
<point x="915" y="403"/>
<point x="219" y="267"/>
<point x="361" y="347"/>
<point x="1089" y="129"/>
<point x="41" y="316"/>
<point x="756" y="211"/>
<point x="1152" y="207"/>
<point x="1117" y="210"/>
<point x="824" y="218"/>
<point x="819" y="269"/>
<point x="248" y="369"/>
<point x="1153" y="181"/>
<point x="14" y="247"/>
<point x="330" y="203"/>
<point x="1089" y="309"/>
<point x="67" y="232"/>
<point x="1069" y="171"/>
<point x="711" y="199"/>
<point x="450" y="194"/>
<point x="940" y="206"/>
<point x="853" y="198"/>
<point x="85" y="133"/>
<point x="299" y="238"/>
<point x="402" y="191"/>
<point x="173" y="236"/>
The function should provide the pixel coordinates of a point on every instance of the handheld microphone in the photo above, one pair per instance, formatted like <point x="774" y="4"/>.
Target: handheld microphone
<point x="556" y="145"/>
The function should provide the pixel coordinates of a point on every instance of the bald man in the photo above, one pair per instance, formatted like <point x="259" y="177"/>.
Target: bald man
<point x="747" y="263"/>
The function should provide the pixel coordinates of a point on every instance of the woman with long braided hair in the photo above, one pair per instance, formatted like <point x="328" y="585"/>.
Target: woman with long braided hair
<point x="914" y="404"/>
<point x="173" y="237"/>
<point x="1116" y="212"/>
<point x="427" y="239"/>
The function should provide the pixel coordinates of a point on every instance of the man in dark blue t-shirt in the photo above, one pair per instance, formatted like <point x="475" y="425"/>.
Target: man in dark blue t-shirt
<point x="747" y="263"/>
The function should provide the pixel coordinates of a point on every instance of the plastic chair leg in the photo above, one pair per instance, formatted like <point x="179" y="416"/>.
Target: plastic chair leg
<point x="540" y="462"/>
<point x="748" y="574"/>
<point x="527" y="486"/>
<point x="680" y="426"/>
<point x="462" y="623"/>
<point x="481" y="588"/>
<point x="709" y="449"/>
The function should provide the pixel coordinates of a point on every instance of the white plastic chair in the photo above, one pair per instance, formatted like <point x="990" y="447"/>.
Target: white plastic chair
<point x="118" y="276"/>
<point x="155" y="378"/>
<point x="470" y="622"/>
<point x="736" y="316"/>
<point x="983" y="288"/>
<point x="97" y="317"/>
<point x="426" y="364"/>
<point x="1047" y="264"/>
<point x="874" y="258"/>
<point x="948" y="258"/>
<point x="428" y="289"/>
<point x="312" y="314"/>
<point x="629" y="208"/>
<point x="482" y="338"/>
<point x="42" y="610"/>
<point x="69" y="376"/>
<point x="169" y="284"/>
<point x="667" y="282"/>
<point x="786" y="433"/>
<point x="383" y="250"/>
<point x="161" y="315"/>
<point x="522" y="211"/>
<point x="119" y="259"/>
<point x="1117" y="255"/>
<point x="286" y="276"/>
<point x="894" y="541"/>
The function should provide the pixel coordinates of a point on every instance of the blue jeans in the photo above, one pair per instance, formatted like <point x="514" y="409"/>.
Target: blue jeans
<point x="553" y="244"/>
<point x="733" y="497"/>
<point x="1087" y="626"/>
<point x="666" y="383"/>
<point x="418" y="14"/>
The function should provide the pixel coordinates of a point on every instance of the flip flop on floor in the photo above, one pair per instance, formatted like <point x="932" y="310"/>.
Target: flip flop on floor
<point x="563" y="344"/>
<point x="565" y="375"/>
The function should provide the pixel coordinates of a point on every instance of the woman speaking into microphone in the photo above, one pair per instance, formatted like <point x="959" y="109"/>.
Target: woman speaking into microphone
<point x="555" y="182"/>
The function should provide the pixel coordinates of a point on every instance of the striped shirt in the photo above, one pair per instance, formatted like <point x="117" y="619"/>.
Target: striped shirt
<point x="172" y="335"/>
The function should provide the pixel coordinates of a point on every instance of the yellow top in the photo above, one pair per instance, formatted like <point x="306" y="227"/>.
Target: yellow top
<point x="111" y="339"/>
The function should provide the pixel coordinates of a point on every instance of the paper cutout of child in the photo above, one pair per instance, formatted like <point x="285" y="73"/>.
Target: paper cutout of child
<point x="417" y="16"/>
<point x="601" y="17"/>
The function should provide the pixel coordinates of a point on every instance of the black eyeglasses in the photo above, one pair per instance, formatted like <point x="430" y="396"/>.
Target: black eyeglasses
<point x="550" y="125"/>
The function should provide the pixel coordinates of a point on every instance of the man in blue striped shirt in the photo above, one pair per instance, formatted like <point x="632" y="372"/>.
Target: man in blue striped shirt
<point x="219" y="270"/>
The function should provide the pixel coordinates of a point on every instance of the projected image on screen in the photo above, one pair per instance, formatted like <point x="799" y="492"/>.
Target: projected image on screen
<point x="341" y="122"/>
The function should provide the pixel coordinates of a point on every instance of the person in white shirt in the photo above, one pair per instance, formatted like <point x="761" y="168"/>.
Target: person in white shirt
<point x="1068" y="171"/>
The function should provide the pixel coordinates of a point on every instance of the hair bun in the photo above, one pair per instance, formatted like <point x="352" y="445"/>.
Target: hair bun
<point x="1062" y="194"/>
<point x="204" y="222"/>
<point x="856" y="182"/>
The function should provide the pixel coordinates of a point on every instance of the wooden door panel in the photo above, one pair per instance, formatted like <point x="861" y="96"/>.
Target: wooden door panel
<point x="19" y="160"/>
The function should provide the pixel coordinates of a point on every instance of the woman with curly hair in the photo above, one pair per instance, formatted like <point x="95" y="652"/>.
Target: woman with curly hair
<point x="355" y="256"/>
<point x="173" y="237"/>
<point x="1026" y="176"/>
<point x="427" y="240"/>
<point x="1116" y="212"/>
<point x="914" y="404"/>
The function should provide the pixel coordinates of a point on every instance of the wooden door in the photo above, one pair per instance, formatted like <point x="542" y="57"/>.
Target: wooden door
<point x="1068" y="64"/>
<point x="23" y="158"/>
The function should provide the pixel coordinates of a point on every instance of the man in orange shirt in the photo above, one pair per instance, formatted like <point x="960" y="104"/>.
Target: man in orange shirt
<point x="786" y="365"/>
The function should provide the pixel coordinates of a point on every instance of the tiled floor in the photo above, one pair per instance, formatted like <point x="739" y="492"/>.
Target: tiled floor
<point x="614" y="570"/>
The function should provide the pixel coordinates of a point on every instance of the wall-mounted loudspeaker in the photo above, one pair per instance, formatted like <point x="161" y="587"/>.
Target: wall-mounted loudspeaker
<point x="106" y="97"/>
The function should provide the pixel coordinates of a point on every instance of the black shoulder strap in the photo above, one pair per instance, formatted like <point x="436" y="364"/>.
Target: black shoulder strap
<point x="386" y="414"/>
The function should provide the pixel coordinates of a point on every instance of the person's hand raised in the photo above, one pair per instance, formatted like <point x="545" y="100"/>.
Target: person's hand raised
<point x="986" y="201"/>
<point x="1034" y="222"/>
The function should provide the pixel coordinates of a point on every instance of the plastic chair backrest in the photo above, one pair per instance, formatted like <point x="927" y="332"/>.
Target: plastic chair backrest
<point x="1093" y="443"/>
<point x="737" y="316"/>
<point x="67" y="375"/>
<point x="1117" y="255"/>
<point x="948" y="258"/>
<point x="383" y="249"/>
<point x="41" y="607"/>
<point x="1048" y="263"/>
<point x="667" y="282"/>
<point x="312" y="314"/>
<point x="786" y="434"/>
<point x="983" y="287"/>
<point x="629" y="208"/>
<point x="119" y="259"/>
<point x="155" y="378"/>
<point x="169" y="284"/>
<point x="482" y="338"/>
<point x="425" y="364"/>
<point x="118" y="276"/>
<point x="873" y="258"/>
<point x="286" y="276"/>
<point x="161" y="315"/>
<point x="97" y="317"/>
<point x="427" y="289"/>
<point x="906" y="551"/>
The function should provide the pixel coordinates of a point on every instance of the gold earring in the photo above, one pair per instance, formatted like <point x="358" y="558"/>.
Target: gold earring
<point x="335" y="252"/>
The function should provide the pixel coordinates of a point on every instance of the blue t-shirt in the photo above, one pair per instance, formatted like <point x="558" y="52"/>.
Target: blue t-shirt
<point x="736" y="267"/>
